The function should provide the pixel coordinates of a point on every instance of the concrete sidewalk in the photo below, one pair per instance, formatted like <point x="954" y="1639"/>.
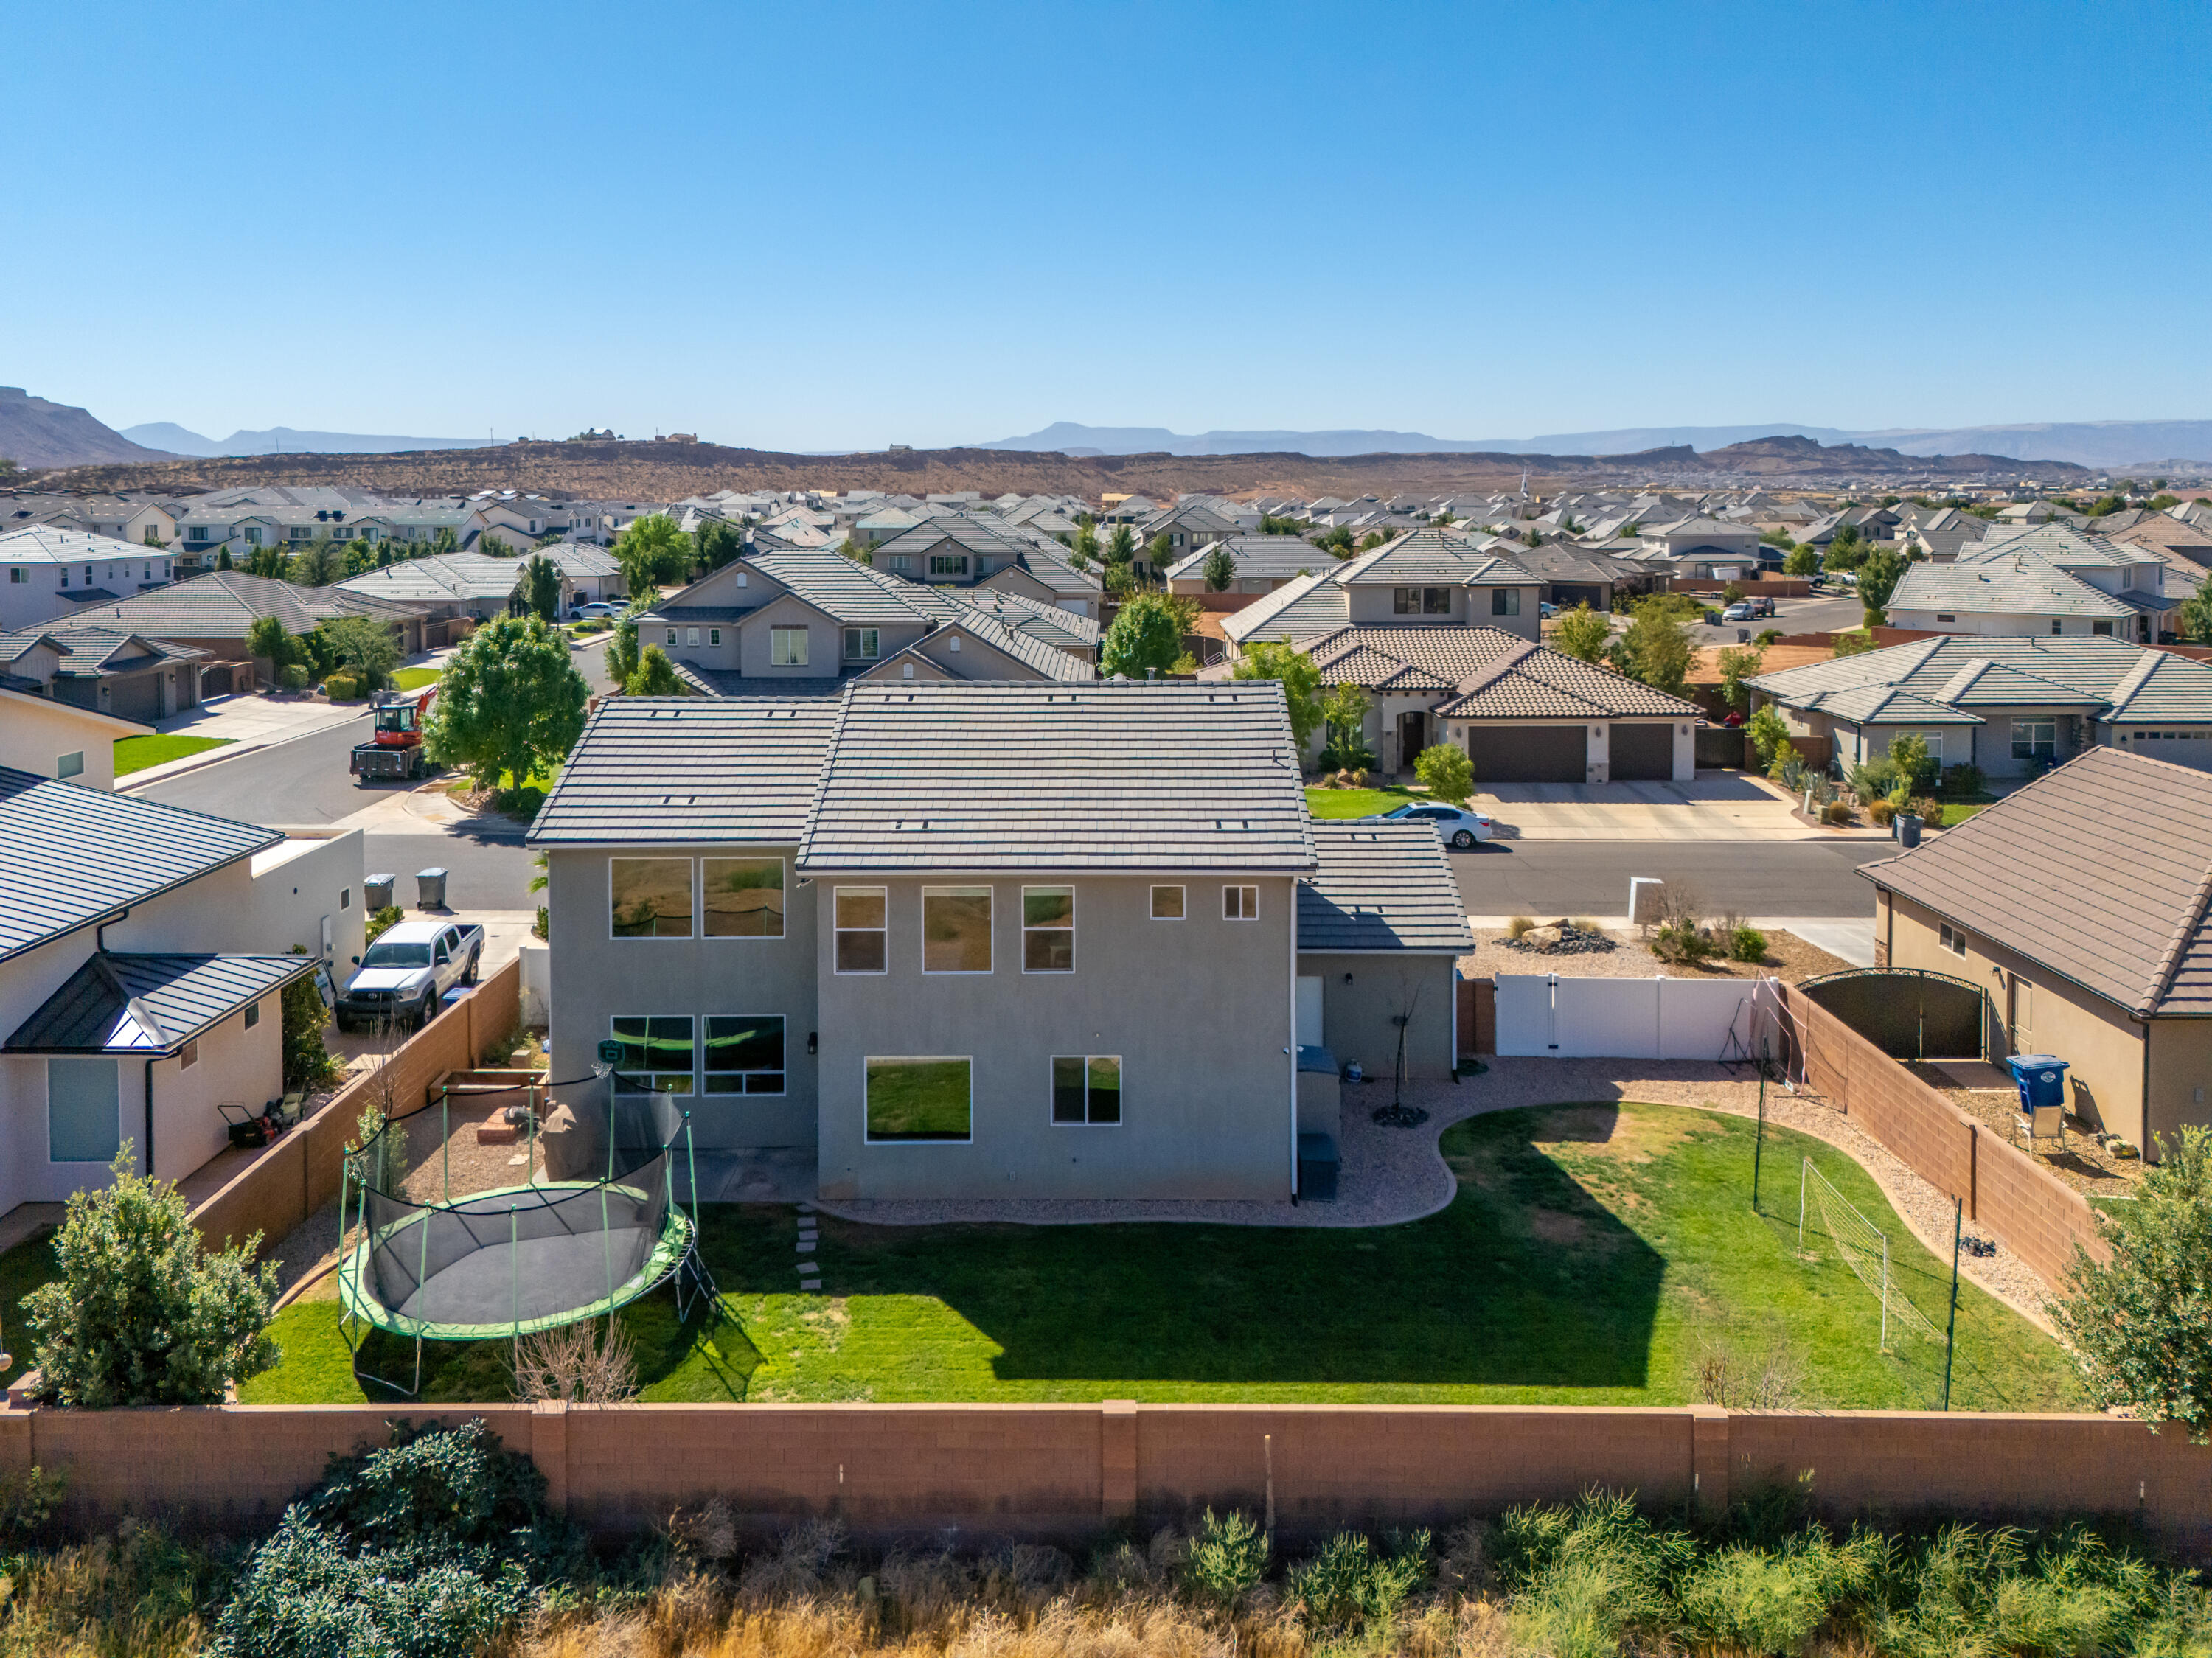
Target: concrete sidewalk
<point x="242" y="723"/>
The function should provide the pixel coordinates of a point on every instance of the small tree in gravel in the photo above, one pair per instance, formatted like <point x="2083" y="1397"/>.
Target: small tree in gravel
<point x="142" y="1313"/>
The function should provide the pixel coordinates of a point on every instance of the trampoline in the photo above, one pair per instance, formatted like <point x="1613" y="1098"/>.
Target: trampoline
<point x="511" y="1260"/>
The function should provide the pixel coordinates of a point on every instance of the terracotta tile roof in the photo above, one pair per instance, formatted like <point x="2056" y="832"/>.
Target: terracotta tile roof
<point x="2100" y="872"/>
<point x="1497" y="674"/>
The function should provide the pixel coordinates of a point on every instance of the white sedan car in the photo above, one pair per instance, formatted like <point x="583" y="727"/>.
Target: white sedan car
<point x="1457" y="826"/>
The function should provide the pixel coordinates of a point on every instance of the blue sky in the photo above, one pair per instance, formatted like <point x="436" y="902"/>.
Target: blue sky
<point x="821" y="225"/>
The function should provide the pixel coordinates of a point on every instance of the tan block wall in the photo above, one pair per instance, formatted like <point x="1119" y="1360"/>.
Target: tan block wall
<point x="1066" y="1471"/>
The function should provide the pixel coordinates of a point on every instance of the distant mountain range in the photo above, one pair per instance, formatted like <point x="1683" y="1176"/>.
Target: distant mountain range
<point x="286" y="440"/>
<point x="2095" y="444"/>
<point x="36" y="433"/>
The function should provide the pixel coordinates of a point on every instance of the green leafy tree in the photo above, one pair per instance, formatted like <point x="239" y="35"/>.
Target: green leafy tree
<point x="541" y="588"/>
<point x="860" y="555"/>
<point x="656" y="676"/>
<point x="265" y="637"/>
<point x="1292" y="668"/>
<point x="1768" y="733"/>
<point x="318" y="564"/>
<point x="1846" y="551"/>
<point x="1908" y="752"/>
<point x="141" y="1313"/>
<point x="9" y="467"/>
<point x="1878" y="579"/>
<point x="1086" y="544"/>
<point x="2140" y="1323"/>
<point x="718" y="542"/>
<point x="1854" y="642"/>
<point x="652" y="552"/>
<point x="1446" y="771"/>
<point x="1737" y="664"/>
<point x="1372" y="540"/>
<point x="1220" y="569"/>
<point x="1802" y="562"/>
<point x="510" y="703"/>
<point x="1582" y="633"/>
<point x="363" y="646"/>
<point x="307" y="1063"/>
<point x="223" y="560"/>
<point x="1118" y="581"/>
<point x="1337" y="540"/>
<point x="274" y="563"/>
<point x="1121" y="546"/>
<point x="445" y="541"/>
<point x="1270" y="524"/>
<point x="1147" y="634"/>
<point x="1159" y="553"/>
<point x="1343" y="711"/>
<point x="1659" y="649"/>
<point x="621" y="653"/>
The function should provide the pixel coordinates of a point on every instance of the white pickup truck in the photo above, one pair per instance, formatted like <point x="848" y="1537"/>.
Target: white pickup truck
<point x="406" y="971"/>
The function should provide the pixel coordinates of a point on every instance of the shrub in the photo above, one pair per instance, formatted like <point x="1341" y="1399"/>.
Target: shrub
<point x="1746" y="944"/>
<point x="1908" y="752"/>
<point x="577" y="1362"/>
<point x="1517" y="926"/>
<point x="1929" y="811"/>
<point x="1446" y="769"/>
<point x="141" y="1313"/>
<point x="307" y="1063"/>
<point x="1228" y="1557"/>
<point x="1881" y="812"/>
<point x="1962" y="780"/>
<point x="390" y="916"/>
<point x="1836" y="811"/>
<point x="294" y="676"/>
<point x="543" y="928"/>
<point x="1348" y="1584"/>
<point x="1683" y="942"/>
<point x="340" y="687"/>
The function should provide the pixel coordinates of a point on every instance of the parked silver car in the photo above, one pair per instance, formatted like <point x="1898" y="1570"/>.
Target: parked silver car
<point x="1457" y="825"/>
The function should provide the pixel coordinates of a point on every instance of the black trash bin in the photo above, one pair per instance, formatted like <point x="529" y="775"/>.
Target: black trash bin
<point x="376" y="891"/>
<point x="1317" y="1165"/>
<point x="430" y="889"/>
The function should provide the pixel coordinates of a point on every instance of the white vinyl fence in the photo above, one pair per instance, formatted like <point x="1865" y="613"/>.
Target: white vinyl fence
<point x="1550" y="1016"/>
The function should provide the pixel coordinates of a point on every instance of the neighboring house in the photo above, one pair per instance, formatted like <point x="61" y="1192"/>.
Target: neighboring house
<point x="1944" y="533"/>
<point x="1426" y="578"/>
<point x="1579" y="576"/>
<point x="1263" y="564"/>
<point x="103" y="669"/>
<point x="2013" y="707"/>
<point x="46" y="738"/>
<point x="46" y="572"/>
<point x="212" y="611"/>
<point x="1524" y="712"/>
<point x="441" y="586"/>
<point x="119" y="517"/>
<point x="799" y="622"/>
<point x="2186" y="549"/>
<point x="965" y="549"/>
<point x="140" y="975"/>
<point x="2049" y="579"/>
<point x="972" y="941"/>
<point x="1703" y="548"/>
<point x="2079" y="905"/>
<point x="1189" y="525"/>
<point x="589" y="573"/>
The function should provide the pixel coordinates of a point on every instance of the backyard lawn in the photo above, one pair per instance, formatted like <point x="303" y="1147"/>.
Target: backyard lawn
<point x="1596" y="1254"/>
<point x="137" y="753"/>
<point x="22" y="1269"/>
<point x="1358" y="803"/>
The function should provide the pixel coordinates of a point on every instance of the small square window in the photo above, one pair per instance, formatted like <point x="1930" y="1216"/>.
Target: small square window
<point x="919" y="1099"/>
<point x="956" y="929"/>
<point x="743" y="1055"/>
<point x="1086" y="1091"/>
<point x="1047" y="929"/>
<point x="1167" y="904"/>
<point x="1505" y="601"/>
<point x="1953" y="940"/>
<point x="861" y="920"/>
<point x="69" y="765"/>
<point x="345" y="897"/>
<point x="253" y="1015"/>
<point x="1240" y="904"/>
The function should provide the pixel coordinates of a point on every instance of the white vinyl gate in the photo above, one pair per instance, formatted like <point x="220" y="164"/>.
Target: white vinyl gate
<point x="1546" y="1016"/>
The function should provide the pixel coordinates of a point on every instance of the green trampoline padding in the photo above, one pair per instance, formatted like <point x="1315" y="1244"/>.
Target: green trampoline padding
<point x="513" y="1260"/>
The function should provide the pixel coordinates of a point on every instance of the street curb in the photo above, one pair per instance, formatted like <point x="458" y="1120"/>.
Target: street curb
<point x="190" y="763"/>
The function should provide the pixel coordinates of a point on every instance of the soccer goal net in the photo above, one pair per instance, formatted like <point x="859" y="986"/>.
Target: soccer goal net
<point x="1863" y="1246"/>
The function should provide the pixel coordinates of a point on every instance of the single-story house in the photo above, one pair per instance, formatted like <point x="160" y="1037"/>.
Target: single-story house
<point x="1263" y="564"/>
<point x="2079" y="905"/>
<point x="870" y="925"/>
<point x="212" y="611"/>
<point x="2013" y="707"/>
<point x="123" y="674"/>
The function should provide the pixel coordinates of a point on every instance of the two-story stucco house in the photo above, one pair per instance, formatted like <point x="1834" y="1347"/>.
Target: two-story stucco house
<point x="981" y="941"/>
<point x="1425" y="579"/>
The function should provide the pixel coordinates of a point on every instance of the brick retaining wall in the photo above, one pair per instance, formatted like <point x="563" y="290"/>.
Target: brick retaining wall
<point x="292" y="1179"/>
<point x="1068" y="1470"/>
<point x="2039" y="1218"/>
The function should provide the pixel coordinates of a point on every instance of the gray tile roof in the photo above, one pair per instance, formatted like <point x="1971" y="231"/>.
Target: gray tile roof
<point x="119" y="851"/>
<point x="117" y="1004"/>
<point x="224" y="604"/>
<point x="844" y="587"/>
<point x="689" y="771"/>
<point x="1258" y="558"/>
<point x="1063" y="628"/>
<point x="1295" y="610"/>
<point x="40" y="544"/>
<point x="2002" y="581"/>
<point x="94" y="650"/>
<point x="2100" y="872"/>
<point x="2125" y="680"/>
<point x="1436" y="555"/>
<point x="961" y="776"/>
<point x="438" y="579"/>
<point x="1382" y="886"/>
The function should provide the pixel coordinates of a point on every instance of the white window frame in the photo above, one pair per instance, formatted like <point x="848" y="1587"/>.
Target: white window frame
<point x="1183" y="903"/>
<point x="991" y="935"/>
<point x="714" y="638"/>
<point x="691" y="1089"/>
<point x="780" y="648"/>
<point x="1068" y="887"/>
<point x="2030" y="724"/>
<point x="1239" y="909"/>
<point x="708" y="1092"/>
<point x="1052" y="1091"/>
<point x="968" y="1059"/>
<point x="863" y="644"/>
<point x="783" y="885"/>
<point x="652" y="938"/>
<point x="883" y="895"/>
<point x="949" y="564"/>
<point x="1505" y="601"/>
<point x="1951" y="939"/>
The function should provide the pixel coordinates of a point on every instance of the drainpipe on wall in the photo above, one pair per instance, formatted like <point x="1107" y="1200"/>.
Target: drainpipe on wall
<point x="150" y="1118"/>
<point x="1292" y="1050"/>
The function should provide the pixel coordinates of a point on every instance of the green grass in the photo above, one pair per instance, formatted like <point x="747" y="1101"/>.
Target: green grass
<point x="1358" y="803"/>
<point x="137" y="753"/>
<point x="23" y="1269"/>
<point x="1594" y="1255"/>
<point x="413" y="679"/>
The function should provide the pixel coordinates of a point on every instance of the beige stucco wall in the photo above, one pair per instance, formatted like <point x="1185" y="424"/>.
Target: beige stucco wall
<point x="1198" y="1010"/>
<point x="1362" y="994"/>
<point x="35" y="732"/>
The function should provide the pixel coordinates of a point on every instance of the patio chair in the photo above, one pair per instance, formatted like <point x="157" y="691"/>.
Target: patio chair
<point x="2045" y="1128"/>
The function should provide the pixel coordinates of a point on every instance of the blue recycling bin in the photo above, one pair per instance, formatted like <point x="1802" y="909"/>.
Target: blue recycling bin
<point x="2041" y="1079"/>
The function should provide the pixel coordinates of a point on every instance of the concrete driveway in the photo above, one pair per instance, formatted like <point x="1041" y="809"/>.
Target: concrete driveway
<point x="1718" y="806"/>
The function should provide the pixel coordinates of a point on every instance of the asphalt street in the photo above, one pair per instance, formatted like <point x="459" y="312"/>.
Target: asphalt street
<point x="1810" y="879"/>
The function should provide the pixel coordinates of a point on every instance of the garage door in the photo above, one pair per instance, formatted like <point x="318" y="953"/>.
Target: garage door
<point x="2179" y="748"/>
<point x="136" y="696"/>
<point x="1529" y="754"/>
<point x="1643" y="753"/>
